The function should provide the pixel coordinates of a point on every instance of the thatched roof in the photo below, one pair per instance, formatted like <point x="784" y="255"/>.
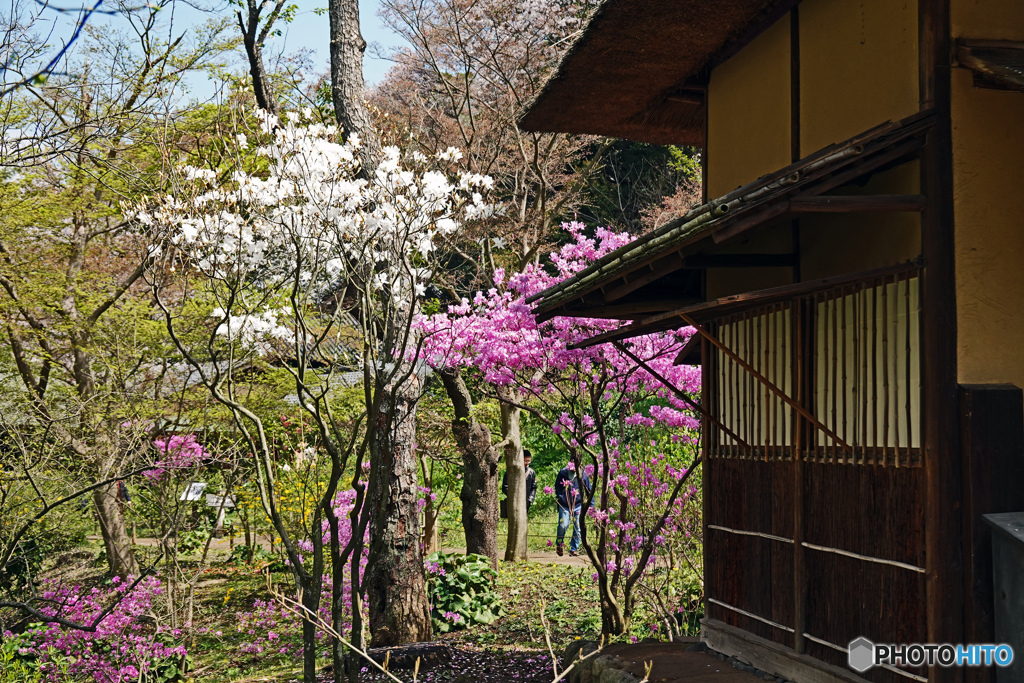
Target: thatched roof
<point x="637" y="70"/>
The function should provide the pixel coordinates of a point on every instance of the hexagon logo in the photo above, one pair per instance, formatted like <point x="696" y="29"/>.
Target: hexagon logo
<point x="861" y="654"/>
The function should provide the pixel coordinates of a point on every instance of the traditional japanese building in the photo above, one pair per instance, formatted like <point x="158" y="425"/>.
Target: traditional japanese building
<point x="856" y="280"/>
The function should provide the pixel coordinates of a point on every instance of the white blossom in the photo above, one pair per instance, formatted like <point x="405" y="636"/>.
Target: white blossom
<point x="308" y="217"/>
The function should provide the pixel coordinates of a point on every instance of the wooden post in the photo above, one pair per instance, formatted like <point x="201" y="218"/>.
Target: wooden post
<point x="943" y="496"/>
<point x="707" y="446"/>
<point x="802" y="325"/>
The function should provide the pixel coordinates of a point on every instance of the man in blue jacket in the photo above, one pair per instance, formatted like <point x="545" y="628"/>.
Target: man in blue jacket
<point x="569" y="497"/>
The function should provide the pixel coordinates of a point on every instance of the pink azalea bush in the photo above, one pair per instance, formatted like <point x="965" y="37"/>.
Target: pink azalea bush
<point x="599" y="402"/>
<point x="124" y="647"/>
<point x="175" y="453"/>
<point x="497" y="335"/>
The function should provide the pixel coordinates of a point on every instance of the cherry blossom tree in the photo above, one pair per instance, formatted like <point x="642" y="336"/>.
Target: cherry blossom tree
<point x="598" y="401"/>
<point x="314" y="263"/>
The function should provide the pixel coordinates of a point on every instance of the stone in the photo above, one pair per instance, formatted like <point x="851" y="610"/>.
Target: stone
<point x="611" y="675"/>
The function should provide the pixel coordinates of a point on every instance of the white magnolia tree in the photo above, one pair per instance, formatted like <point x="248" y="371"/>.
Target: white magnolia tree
<point x="304" y="261"/>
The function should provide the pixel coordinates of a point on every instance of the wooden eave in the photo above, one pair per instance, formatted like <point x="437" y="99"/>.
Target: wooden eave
<point x="797" y="188"/>
<point x="638" y="69"/>
<point x="709" y="310"/>
<point x="996" y="64"/>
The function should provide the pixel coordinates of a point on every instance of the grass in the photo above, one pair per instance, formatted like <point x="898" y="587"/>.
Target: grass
<point x="224" y="591"/>
<point x="542" y="526"/>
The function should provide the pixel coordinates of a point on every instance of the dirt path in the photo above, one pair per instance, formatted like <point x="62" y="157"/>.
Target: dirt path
<point x="543" y="557"/>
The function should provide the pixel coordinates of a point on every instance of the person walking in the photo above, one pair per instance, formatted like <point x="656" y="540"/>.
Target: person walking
<point x="570" y="503"/>
<point x="531" y="480"/>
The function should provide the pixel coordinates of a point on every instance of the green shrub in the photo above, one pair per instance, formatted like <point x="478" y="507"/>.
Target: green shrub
<point x="261" y="558"/>
<point x="62" y="530"/>
<point x="462" y="591"/>
<point x="16" y="667"/>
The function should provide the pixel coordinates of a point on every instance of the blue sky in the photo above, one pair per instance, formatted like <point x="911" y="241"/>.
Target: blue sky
<point x="307" y="30"/>
<point x="310" y="30"/>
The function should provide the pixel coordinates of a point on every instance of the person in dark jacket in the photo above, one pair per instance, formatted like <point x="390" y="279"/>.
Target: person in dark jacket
<point x="570" y="498"/>
<point x="531" y="480"/>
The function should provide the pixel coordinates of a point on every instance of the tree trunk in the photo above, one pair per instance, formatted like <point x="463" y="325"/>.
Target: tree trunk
<point x="253" y="38"/>
<point x="613" y="622"/>
<point x="429" y="528"/>
<point x="480" y="471"/>
<point x="347" y="48"/>
<point x="116" y="541"/>
<point x="310" y="599"/>
<point x="515" y="475"/>
<point x="396" y="588"/>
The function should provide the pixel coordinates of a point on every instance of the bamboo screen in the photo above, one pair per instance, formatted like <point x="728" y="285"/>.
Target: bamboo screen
<point x="848" y="356"/>
<point x="763" y="338"/>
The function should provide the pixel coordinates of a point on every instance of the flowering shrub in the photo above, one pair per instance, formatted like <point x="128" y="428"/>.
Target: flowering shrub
<point x="121" y="649"/>
<point x="461" y="591"/>
<point x="272" y="629"/>
<point x="306" y="214"/>
<point x="587" y="397"/>
<point x="176" y="452"/>
<point x="497" y="334"/>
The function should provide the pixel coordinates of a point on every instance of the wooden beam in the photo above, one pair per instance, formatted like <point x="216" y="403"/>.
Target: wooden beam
<point x="771" y="656"/>
<point x="692" y="347"/>
<point x="687" y="97"/>
<point x="681" y="395"/>
<point x="630" y="309"/>
<point x="637" y="279"/>
<point x="995" y="63"/>
<point x="753" y="220"/>
<point x="700" y="261"/>
<point x="734" y="302"/>
<point x="857" y="203"/>
<point x="802" y="333"/>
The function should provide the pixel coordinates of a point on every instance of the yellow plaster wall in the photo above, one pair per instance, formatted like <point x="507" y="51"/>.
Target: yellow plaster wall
<point x="987" y="19"/>
<point x="748" y="112"/>
<point x="988" y="191"/>
<point x="834" y="244"/>
<point x="858" y="67"/>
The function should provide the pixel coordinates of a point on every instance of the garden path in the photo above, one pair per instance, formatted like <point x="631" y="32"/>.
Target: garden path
<point x="544" y="557"/>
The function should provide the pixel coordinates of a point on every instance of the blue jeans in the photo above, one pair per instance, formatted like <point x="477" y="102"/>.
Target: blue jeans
<point x="564" y="520"/>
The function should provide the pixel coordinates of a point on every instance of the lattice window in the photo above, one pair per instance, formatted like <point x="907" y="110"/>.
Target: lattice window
<point x="848" y="356"/>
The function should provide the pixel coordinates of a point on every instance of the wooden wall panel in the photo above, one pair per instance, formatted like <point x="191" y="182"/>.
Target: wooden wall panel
<point x="869" y="510"/>
<point x="876" y="512"/>
<point x="782" y="553"/>
<point x="751" y="573"/>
